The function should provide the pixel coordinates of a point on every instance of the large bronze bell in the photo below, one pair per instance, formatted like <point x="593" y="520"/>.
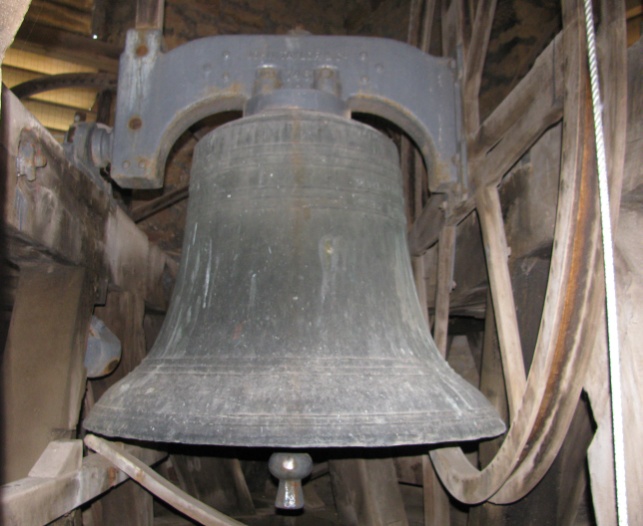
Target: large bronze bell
<point x="294" y="321"/>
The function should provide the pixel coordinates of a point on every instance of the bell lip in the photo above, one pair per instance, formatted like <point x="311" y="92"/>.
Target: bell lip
<point x="306" y="447"/>
<point x="363" y="436"/>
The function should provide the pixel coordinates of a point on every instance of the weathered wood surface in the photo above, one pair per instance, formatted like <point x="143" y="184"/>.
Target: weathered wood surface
<point x="157" y="485"/>
<point x="497" y="255"/>
<point x="542" y="86"/>
<point x="42" y="366"/>
<point x="571" y="307"/>
<point x="519" y="120"/>
<point x="437" y="508"/>
<point x="123" y="313"/>
<point x="40" y="499"/>
<point x="149" y="14"/>
<point x="367" y="492"/>
<point x="492" y="383"/>
<point x="215" y="481"/>
<point x="556" y="499"/>
<point x="446" y="258"/>
<point x="58" y="14"/>
<point x="573" y="296"/>
<point x="57" y="43"/>
<point x="64" y="216"/>
<point x="70" y="240"/>
<point x="629" y="283"/>
<point x="474" y="64"/>
<point x="428" y="225"/>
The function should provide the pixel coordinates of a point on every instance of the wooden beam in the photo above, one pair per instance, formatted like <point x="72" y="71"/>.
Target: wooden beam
<point x="544" y="79"/>
<point x="427" y="227"/>
<point x="446" y="261"/>
<point x="474" y="64"/>
<point x="155" y="206"/>
<point x="428" y="18"/>
<point x="413" y="31"/>
<point x="56" y="43"/>
<point x="157" y="485"/>
<point x="449" y="19"/>
<point x="45" y="351"/>
<point x="505" y="135"/>
<point x="40" y="500"/>
<point x="215" y="481"/>
<point x="123" y="313"/>
<point x="626" y="221"/>
<point x="497" y="252"/>
<point x="492" y="383"/>
<point x="437" y="509"/>
<point x="528" y="111"/>
<point x="366" y="491"/>
<point x="149" y="14"/>
<point x="613" y="72"/>
<point x="80" y="5"/>
<point x="78" y="222"/>
<point x="58" y="15"/>
<point x="419" y="276"/>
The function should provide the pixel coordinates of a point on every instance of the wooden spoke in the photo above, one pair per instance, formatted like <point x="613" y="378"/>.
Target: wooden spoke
<point x="541" y="408"/>
<point x="540" y="91"/>
<point x="538" y="461"/>
<point x="157" y="485"/>
<point x="497" y="253"/>
<point x="436" y="500"/>
<point x="427" y="25"/>
<point x="521" y="136"/>
<point x="475" y="63"/>
<point x="500" y="141"/>
<point x="446" y="259"/>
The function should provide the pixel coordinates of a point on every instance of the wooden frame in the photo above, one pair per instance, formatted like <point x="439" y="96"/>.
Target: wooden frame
<point x="541" y="404"/>
<point x="70" y="242"/>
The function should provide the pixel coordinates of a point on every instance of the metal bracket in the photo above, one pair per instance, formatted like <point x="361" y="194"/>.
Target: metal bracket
<point x="88" y="145"/>
<point x="30" y="156"/>
<point x="161" y="94"/>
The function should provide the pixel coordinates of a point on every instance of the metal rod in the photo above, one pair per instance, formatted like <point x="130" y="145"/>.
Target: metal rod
<point x="155" y="206"/>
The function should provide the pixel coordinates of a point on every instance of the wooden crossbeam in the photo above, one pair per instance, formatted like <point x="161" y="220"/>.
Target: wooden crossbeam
<point x="534" y="105"/>
<point x="39" y="499"/>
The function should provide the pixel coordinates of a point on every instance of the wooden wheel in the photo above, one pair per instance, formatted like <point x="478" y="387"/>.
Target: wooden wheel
<point x="541" y="403"/>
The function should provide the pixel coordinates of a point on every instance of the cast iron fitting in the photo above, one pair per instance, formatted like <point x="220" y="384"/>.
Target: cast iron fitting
<point x="296" y="99"/>
<point x="290" y="469"/>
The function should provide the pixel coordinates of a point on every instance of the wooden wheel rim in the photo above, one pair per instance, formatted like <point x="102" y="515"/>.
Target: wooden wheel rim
<point x="555" y="380"/>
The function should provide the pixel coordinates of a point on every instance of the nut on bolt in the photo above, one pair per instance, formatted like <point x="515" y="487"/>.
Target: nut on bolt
<point x="30" y="158"/>
<point x="267" y="79"/>
<point x="326" y="78"/>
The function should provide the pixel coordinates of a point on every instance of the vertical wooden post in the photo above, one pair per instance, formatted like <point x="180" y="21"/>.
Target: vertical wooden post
<point x="446" y="258"/>
<point x="367" y="492"/>
<point x="437" y="509"/>
<point x="42" y="370"/>
<point x="436" y="501"/>
<point x="150" y="14"/>
<point x="123" y="313"/>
